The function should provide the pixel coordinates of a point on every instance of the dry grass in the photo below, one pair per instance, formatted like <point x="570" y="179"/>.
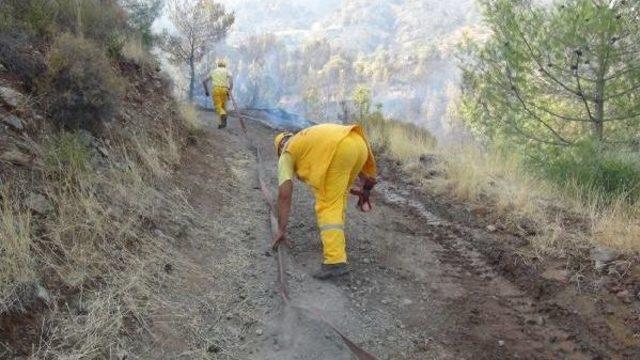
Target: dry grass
<point x="16" y="258"/>
<point x="562" y="222"/>
<point x="617" y="226"/>
<point x="94" y="250"/>
<point x="192" y="120"/>
<point x="404" y="142"/>
<point x="509" y="194"/>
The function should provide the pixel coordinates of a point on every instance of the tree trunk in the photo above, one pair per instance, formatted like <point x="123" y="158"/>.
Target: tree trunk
<point x="192" y="80"/>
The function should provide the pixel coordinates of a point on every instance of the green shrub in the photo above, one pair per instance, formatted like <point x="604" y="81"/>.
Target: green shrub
<point x="83" y="90"/>
<point x="33" y="17"/>
<point x="594" y="172"/>
<point x="68" y="154"/>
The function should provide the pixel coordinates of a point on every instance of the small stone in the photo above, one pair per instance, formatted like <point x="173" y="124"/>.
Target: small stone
<point x="624" y="295"/>
<point x="229" y="316"/>
<point x="11" y="97"/>
<point x="168" y="268"/>
<point x="259" y="332"/>
<point x="501" y="343"/>
<point x="13" y="121"/>
<point x="491" y="228"/>
<point x="602" y="255"/>
<point x="556" y="274"/>
<point x="43" y="294"/>
<point x="38" y="204"/>
<point x="366" y="260"/>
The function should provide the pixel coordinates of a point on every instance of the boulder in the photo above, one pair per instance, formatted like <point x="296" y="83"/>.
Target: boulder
<point x="11" y="97"/>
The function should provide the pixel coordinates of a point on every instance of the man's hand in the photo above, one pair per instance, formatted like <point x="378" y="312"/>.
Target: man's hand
<point x="363" y="194"/>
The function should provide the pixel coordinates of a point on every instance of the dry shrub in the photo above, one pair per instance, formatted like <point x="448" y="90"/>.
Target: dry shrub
<point x="192" y="120"/>
<point x="562" y="223"/>
<point x="17" y="267"/>
<point x="404" y="142"/>
<point x="617" y="226"/>
<point x="83" y="90"/>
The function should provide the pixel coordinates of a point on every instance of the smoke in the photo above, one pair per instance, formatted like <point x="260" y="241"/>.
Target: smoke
<point x="308" y="56"/>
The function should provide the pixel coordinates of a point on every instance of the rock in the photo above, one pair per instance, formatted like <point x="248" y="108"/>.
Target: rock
<point x="603" y="255"/>
<point x="168" y="268"/>
<point x="556" y="275"/>
<point x="13" y="121"/>
<point x="43" y="294"/>
<point x="491" y="228"/>
<point x="624" y="295"/>
<point x="38" y="204"/>
<point x="259" y="332"/>
<point x="501" y="343"/>
<point x="567" y="346"/>
<point x="11" y="97"/>
<point x="16" y="157"/>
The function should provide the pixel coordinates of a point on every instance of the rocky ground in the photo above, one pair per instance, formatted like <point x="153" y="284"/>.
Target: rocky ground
<point x="429" y="281"/>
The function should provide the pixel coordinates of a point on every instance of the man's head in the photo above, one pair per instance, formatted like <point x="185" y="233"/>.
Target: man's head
<point x="281" y="140"/>
<point x="221" y="63"/>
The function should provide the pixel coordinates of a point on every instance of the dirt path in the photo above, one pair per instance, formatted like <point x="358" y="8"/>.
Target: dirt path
<point x="418" y="289"/>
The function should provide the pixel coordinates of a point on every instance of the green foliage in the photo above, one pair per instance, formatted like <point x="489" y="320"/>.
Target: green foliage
<point x="83" y="90"/>
<point x="68" y="154"/>
<point x="588" y="168"/>
<point x="556" y="74"/>
<point x="32" y="17"/>
<point x="362" y="98"/>
<point x="141" y="15"/>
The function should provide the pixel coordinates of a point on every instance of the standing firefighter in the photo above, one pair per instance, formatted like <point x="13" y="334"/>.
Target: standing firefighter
<point x="328" y="158"/>
<point x="221" y="87"/>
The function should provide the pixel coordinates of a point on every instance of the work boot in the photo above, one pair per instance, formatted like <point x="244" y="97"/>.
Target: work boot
<point x="328" y="271"/>
<point x="223" y="122"/>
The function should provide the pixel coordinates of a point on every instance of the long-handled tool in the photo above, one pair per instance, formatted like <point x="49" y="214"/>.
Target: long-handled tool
<point x="357" y="351"/>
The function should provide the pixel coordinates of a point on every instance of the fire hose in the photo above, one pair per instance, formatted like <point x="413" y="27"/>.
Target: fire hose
<point x="282" y="290"/>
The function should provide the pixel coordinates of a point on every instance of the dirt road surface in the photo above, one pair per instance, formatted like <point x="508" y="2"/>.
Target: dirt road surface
<point x="419" y="288"/>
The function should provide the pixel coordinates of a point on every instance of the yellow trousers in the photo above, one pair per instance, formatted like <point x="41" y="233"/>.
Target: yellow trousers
<point x="331" y="204"/>
<point x="220" y="98"/>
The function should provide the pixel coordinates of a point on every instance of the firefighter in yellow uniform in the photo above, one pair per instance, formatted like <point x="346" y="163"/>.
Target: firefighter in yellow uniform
<point x="328" y="158"/>
<point x="220" y="82"/>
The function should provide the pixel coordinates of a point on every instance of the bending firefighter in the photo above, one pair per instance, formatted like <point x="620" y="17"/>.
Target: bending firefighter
<point x="220" y="82"/>
<point x="328" y="158"/>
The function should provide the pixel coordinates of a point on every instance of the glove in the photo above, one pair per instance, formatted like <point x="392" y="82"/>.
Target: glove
<point x="363" y="194"/>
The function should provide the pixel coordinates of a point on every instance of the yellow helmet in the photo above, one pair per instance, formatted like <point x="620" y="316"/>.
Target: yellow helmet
<point x="222" y="63"/>
<point x="278" y="140"/>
